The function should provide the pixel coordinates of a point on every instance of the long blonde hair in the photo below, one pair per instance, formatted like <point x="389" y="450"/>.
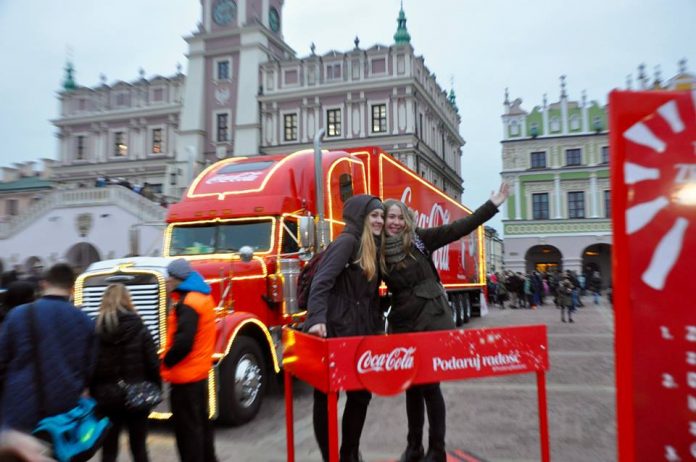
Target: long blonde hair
<point x="367" y="253"/>
<point x="406" y="233"/>
<point x="116" y="298"/>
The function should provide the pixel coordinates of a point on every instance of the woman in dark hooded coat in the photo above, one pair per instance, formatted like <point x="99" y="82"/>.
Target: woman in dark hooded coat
<point x="127" y="354"/>
<point x="344" y="301"/>
<point x="419" y="303"/>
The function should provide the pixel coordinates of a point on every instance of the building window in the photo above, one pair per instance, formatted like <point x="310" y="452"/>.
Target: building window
<point x="573" y="157"/>
<point x="607" y="204"/>
<point x="605" y="154"/>
<point x="576" y="204"/>
<point x="120" y="146"/>
<point x="222" y="128"/>
<point x="11" y="207"/>
<point x="538" y="159"/>
<point x="333" y="122"/>
<point x="355" y="69"/>
<point x="290" y="127"/>
<point x="379" y="118"/>
<point x="333" y="71"/>
<point x="158" y="94"/>
<point x="121" y="99"/>
<point x="80" y="148"/>
<point x="223" y="70"/>
<point x="555" y="124"/>
<point x="574" y="122"/>
<point x="156" y="140"/>
<point x="540" y="206"/>
<point x="378" y="66"/>
<point x="291" y="77"/>
<point x="514" y="128"/>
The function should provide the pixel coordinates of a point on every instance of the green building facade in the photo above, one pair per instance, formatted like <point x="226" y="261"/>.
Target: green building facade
<point x="556" y="159"/>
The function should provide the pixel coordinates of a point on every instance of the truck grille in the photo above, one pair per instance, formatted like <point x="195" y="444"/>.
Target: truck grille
<point x="145" y="298"/>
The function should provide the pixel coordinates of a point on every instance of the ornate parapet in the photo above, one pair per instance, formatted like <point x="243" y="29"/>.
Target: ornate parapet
<point x="588" y="226"/>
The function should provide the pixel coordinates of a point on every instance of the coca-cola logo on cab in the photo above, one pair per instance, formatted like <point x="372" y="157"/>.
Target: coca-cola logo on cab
<point x="386" y="366"/>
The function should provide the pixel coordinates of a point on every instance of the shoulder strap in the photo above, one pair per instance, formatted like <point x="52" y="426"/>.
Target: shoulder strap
<point x="38" y="378"/>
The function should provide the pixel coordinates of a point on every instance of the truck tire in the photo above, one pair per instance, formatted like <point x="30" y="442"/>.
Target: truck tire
<point x="243" y="378"/>
<point x="455" y="309"/>
<point x="466" y="307"/>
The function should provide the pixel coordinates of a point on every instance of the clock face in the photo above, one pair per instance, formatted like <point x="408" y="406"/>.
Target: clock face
<point x="224" y="12"/>
<point x="274" y="19"/>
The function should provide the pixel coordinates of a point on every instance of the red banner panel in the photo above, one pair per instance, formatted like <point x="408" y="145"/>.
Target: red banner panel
<point x="388" y="364"/>
<point x="653" y="161"/>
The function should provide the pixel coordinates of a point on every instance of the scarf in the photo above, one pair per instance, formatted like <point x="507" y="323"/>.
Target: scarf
<point x="394" y="251"/>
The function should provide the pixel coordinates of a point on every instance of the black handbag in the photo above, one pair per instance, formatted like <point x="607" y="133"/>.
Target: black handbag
<point x="142" y="396"/>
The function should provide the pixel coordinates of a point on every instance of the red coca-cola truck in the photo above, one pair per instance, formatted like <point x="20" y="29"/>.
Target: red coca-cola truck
<point x="248" y="225"/>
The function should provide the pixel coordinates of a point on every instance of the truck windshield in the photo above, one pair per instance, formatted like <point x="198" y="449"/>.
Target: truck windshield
<point x="220" y="237"/>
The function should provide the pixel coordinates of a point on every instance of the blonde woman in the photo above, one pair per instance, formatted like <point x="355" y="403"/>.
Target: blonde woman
<point x="344" y="301"/>
<point x="126" y="353"/>
<point x="419" y="303"/>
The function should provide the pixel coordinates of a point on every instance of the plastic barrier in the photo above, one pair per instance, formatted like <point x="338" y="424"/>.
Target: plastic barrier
<point x="389" y="364"/>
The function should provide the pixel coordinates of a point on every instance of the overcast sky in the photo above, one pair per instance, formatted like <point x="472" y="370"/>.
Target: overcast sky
<point x="482" y="46"/>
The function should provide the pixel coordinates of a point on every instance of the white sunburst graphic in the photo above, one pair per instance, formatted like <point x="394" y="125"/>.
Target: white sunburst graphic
<point x="668" y="250"/>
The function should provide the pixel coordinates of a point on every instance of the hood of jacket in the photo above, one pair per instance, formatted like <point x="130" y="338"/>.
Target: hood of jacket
<point x="355" y="210"/>
<point x="194" y="283"/>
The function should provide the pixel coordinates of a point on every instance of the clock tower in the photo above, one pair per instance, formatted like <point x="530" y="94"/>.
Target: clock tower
<point x="220" y="113"/>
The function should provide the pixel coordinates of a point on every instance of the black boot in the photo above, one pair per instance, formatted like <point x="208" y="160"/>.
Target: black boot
<point x="435" y="455"/>
<point x="413" y="454"/>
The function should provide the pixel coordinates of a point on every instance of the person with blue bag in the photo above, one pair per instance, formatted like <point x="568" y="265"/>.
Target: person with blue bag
<point x="47" y="355"/>
<point x="127" y="358"/>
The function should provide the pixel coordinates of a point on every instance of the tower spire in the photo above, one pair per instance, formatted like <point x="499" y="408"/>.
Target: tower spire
<point x="69" y="79"/>
<point x="402" y="37"/>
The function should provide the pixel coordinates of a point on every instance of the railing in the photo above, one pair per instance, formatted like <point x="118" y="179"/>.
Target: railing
<point x="144" y="209"/>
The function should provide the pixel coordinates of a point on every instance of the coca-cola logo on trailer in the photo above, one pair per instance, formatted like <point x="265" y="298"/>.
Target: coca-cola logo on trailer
<point x="385" y="366"/>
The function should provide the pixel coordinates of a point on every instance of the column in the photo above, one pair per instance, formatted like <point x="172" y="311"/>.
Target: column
<point x="518" y="199"/>
<point x="594" y="209"/>
<point x="557" y="190"/>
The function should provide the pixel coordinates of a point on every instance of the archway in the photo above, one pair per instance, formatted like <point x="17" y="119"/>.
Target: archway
<point x="81" y="255"/>
<point x="543" y="258"/>
<point x="597" y="257"/>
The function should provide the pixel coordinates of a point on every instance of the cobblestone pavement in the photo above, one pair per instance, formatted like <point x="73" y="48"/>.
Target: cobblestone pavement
<point x="495" y="419"/>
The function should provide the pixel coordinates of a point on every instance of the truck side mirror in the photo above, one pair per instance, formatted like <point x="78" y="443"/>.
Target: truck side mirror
<point x="245" y="253"/>
<point x="307" y="232"/>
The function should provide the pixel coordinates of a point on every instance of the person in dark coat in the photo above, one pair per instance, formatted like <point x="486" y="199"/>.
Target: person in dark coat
<point x="65" y="354"/>
<point x="127" y="354"/>
<point x="344" y="301"/>
<point x="419" y="303"/>
<point x="564" y="295"/>
<point x="18" y="293"/>
<point x="596" y="286"/>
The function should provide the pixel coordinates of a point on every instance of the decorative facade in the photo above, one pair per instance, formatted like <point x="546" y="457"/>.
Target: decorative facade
<point x="556" y="158"/>
<point x="244" y="93"/>
<point x="494" y="249"/>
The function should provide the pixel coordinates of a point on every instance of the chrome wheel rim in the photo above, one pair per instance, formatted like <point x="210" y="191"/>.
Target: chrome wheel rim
<point x="247" y="380"/>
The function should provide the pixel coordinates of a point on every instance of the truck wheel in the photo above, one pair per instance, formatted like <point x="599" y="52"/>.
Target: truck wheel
<point x="455" y="308"/>
<point x="243" y="378"/>
<point x="466" y="307"/>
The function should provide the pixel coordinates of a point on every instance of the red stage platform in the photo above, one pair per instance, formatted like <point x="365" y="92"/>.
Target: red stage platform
<point x="389" y="364"/>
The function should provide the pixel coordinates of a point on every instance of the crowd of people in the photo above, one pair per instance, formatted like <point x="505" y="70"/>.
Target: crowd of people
<point x="533" y="289"/>
<point x="101" y="358"/>
<point x="144" y="189"/>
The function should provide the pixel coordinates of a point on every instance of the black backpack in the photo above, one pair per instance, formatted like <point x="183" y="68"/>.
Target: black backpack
<point x="304" y="280"/>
